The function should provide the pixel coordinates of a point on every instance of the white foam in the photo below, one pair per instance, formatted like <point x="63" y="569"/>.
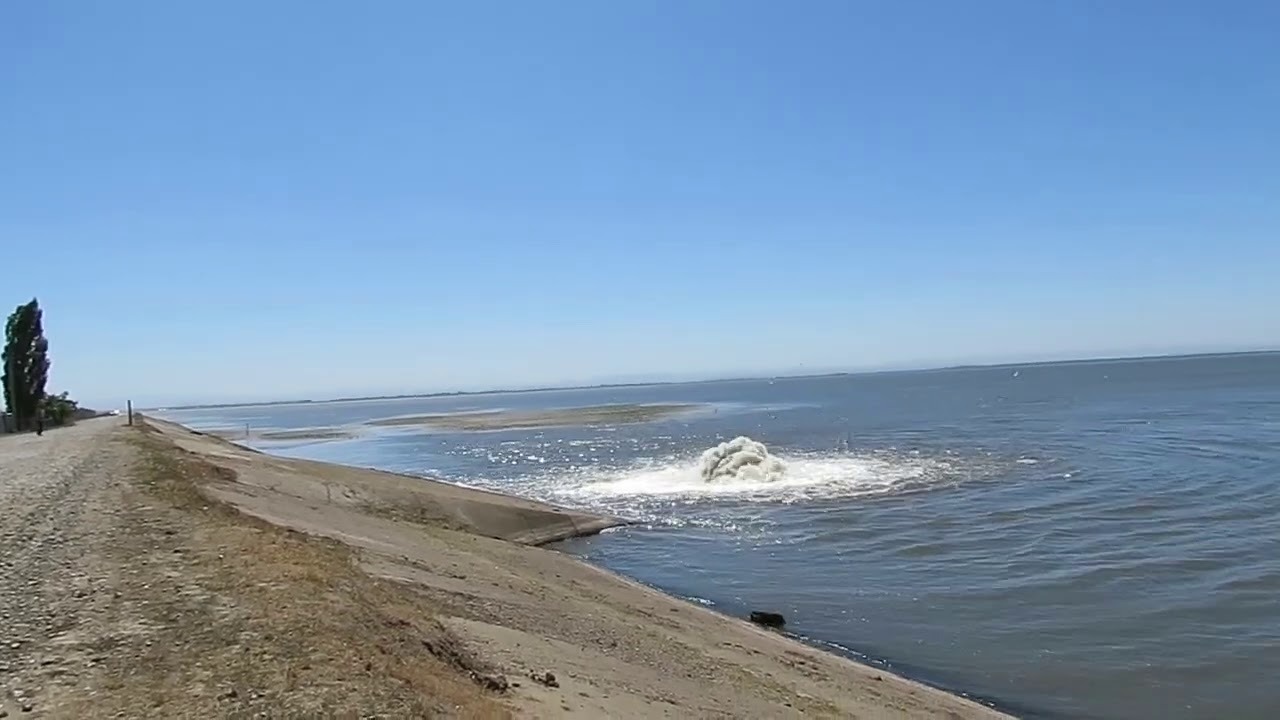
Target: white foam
<point x="741" y="460"/>
<point x="805" y="478"/>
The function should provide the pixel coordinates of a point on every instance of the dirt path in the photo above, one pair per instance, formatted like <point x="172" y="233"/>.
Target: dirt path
<point x="47" y="486"/>
<point x="126" y="593"/>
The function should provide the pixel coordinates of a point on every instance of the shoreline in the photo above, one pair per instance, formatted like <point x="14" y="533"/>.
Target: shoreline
<point x="397" y="496"/>
<point x="899" y="668"/>
<point x="608" y="628"/>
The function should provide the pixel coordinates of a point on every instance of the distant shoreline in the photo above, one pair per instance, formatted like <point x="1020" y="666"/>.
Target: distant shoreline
<point x="787" y="376"/>
<point x="529" y="419"/>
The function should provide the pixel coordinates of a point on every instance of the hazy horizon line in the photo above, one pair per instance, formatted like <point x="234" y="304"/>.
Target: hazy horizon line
<point x="794" y="373"/>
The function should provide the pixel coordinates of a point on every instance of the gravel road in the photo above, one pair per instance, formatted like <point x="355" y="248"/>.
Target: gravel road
<point x="126" y="593"/>
<point x="52" y="488"/>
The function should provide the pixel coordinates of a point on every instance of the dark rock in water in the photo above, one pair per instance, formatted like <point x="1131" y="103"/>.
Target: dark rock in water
<point x="768" y="619"/>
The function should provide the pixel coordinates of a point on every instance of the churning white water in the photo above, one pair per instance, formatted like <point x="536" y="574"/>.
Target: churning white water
<point x="743" y="469"/>
<point x="741" y="459"/>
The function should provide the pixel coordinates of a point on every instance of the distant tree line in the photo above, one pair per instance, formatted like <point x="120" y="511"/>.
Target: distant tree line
<point x="25" y="362"/>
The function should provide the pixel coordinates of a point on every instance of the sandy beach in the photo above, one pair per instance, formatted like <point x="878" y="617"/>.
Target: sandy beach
<point x="257" y="563"/>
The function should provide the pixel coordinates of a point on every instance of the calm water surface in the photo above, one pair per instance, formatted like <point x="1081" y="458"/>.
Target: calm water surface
<point x="1075" y="540"/>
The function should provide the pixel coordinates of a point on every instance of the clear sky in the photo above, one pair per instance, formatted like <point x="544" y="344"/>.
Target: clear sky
<point x="250" y="200"/>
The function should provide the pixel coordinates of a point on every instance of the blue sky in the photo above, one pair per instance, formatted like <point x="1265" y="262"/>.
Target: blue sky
<point x="247" y="200"/>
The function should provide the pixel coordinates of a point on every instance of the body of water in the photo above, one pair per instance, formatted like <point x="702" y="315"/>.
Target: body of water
<point x="1096" y="539"/>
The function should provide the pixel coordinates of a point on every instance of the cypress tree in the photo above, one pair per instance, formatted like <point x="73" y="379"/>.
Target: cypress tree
<point x="26" y="364"/>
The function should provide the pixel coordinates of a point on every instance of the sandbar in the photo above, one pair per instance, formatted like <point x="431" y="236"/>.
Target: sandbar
<point x="556" y="417"/>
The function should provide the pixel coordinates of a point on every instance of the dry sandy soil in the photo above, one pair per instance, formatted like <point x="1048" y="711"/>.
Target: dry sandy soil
<point x="160" y="573"/>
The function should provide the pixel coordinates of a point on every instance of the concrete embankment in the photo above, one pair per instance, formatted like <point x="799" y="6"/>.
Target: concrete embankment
<point x="616" y="648"/>
<point x="308" y="494"/>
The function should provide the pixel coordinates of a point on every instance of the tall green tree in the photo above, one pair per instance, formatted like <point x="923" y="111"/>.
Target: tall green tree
<point x="59" y="409"/>
<point x="26" y="364"/>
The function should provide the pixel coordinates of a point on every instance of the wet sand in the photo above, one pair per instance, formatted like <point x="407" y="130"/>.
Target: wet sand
<point x="522" y="419"/>
<point x="323" y="433"/>
<point x="307" y="434"/>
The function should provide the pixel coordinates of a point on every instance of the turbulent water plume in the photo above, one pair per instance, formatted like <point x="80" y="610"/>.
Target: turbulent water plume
<point x="740" y="459"/>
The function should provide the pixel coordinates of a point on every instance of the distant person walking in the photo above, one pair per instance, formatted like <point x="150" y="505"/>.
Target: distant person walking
<point x="40" y="425"/>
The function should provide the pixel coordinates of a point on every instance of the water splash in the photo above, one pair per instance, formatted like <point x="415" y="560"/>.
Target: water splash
<point x="744" y="470"/>
<point x="741" y="459"/>
<point x="734" y="486"/>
